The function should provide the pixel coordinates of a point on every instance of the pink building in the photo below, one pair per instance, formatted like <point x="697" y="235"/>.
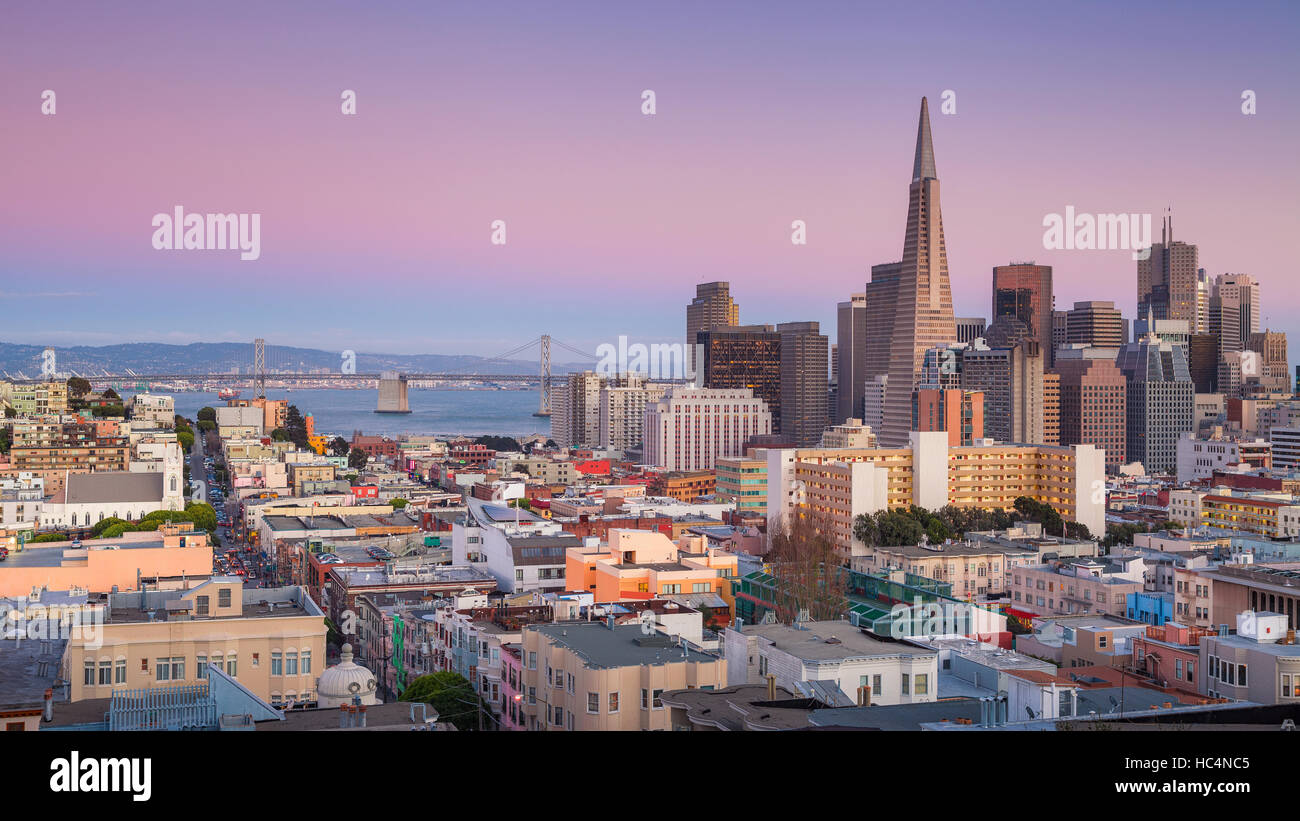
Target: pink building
<point x="1170" y="654"/>
<point x="512" y="690"/>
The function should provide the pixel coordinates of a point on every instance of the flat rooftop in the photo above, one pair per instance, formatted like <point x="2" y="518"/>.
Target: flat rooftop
<point x="829" y="641"/>
<point x="622" y="646"/>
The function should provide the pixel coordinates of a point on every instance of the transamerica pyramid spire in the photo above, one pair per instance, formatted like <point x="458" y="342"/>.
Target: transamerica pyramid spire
<point x="923" y="166"/>
<point x="922" y="306"/>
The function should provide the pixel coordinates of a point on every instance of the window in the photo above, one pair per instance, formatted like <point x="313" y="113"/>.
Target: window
<point x="105" y="672"/>
<point x="201" y="665"/>
<point x="277" y="663"/>
<point x="645" y="699"/>
<point x="593" y="702"/>
<point x="701" y="587"/>
<point x="658" y="702"/>
<point x="231" y="667"/>
<point x="613" y="702"/>
<point x="875" y="685"/>
<point x="305" y="656"/>
<point x="201" y="605"/>
<point x="532" y="661"/>
<point x="223" y="597"/>
<point x="163" y="670"/>
<point x="1286" y="686"/>
<point x="89" y="677"/>
<point x="907" y="684"/>
<point x="119" y="671"/>
<point x="532" y="695"/>
<point x="922" y="684"/>
<point x="291" y="663"/>
<point x="571" y="680"/>
<point x="672" y="588"/>
<point x="559" y="717"/>
<point x="519" y="575"/>
<point x="178" y="669"/>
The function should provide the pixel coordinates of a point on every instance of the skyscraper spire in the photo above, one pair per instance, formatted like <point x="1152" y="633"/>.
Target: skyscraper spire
<point x="923" y="166"/>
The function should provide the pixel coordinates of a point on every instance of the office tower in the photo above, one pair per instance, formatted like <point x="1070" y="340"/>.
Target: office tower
<point x="1007" y="331"/>
<point x="1170" y="282"/>
<point x="1242" y="291"/>
<point x="1166" y="330"/>
<point x="851" y="368"/>
<point x="1160" y="398"/>
<point x="1051" y="408"/>
<point x="941" y="366"/>
<point x="746" y="356"/>
<point x="1094" y="408"/>
<point x="970" y="328"/>
<point x="803" y="382"/>
<point x="959" y="412"/>
<point x="1203" y="361"/>
<point x="1060" y="329"/>
<point x="692" y="428"/>
<point x="1094" y="323"/>
<point x="882" y="301"/>
<point x="1012" y="381"/>
<point x="923" y="315"/>
<point x="712" y="307"/>
<point x="1270" y="361"/>
<point x="1024" y="290"/>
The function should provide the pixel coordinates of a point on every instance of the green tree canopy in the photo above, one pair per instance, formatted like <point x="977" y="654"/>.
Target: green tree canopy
<point x="109" y="393"/>
<point x="78" y="387"/>
<point x="358" y="458"/>
<point x="339" y="446"/>
<point x="398" y="503"/>
<point x="207" y="413"/>
<point x="450" y="694"/>
<point x="186" y="438"/>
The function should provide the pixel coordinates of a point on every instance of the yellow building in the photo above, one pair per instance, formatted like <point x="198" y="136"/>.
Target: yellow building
<point x="1273" y="514"/>
<point x="836" y="486"/>
<point x="598" y="676"/>
<point x="272" y="640"/>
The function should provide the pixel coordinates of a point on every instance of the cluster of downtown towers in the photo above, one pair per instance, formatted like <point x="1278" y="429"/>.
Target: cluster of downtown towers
<point x="903" y="362"/>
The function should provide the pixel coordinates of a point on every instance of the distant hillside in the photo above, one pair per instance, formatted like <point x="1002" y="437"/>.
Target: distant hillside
<point x="222" y="357"/>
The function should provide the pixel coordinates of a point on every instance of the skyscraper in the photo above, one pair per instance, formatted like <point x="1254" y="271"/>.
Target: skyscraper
<point x="746" y="356"/>
<point x="803" y="382"/>
<point x="1012" y="381"/>
<point x="1160" y="396"/>
<point x="1093" y="401"/>
<point x="1024" y="290"/>
<point x="851" y="367"/>
<point x="1171" y="284"/>
<point x="970" y="328"/>
<point x="923" y="315"/>
<point x="712" y="307"/>
<point x="1094" y="323"/>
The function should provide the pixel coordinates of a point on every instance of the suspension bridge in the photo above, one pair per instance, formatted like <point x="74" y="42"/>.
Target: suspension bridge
<point x="286" y="366"/>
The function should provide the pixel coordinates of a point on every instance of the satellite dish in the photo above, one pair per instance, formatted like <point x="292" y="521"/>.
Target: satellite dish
<point x="1030" y="710"/>
<point x="1113" y="702"/>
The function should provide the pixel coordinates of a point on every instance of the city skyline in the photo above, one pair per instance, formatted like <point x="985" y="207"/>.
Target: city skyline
<point x="600" y="199"/>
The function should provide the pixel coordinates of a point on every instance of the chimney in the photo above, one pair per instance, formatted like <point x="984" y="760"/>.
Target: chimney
<point x="343" y="716"/>
<point x="48" y="714"/>
<point x="362" y="720"/>
<point x="609" y="621"/>
<point x="771" y="687"/>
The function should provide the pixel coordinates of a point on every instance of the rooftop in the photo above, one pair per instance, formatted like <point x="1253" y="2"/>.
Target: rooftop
<point x="829" y="641"/>
<point x="28" y="667"/>
<point x="622" y="646"/>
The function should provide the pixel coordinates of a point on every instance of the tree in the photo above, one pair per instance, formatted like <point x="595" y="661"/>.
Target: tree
<point x="504" y="444"/>
<point x="208" y="413"/>
<point x="4" y="440"/>
<point x="207" y="425"/>
<point x="109" y="393"/>
<point x="78" y="387"/>
<point x="358" y="458"/>
<point x="451" y="695"/>
<point x="279" y="435"/>
<point x="398" y="503"/>
<point x="49" y="537"/>
<point x="105" y="524"/>
<point x="339" y="446"/>
<point x="807" y="568"/>
<point x="108" y="410"/>
<point x="186" y="438"/>
<point x="296" y="426"/>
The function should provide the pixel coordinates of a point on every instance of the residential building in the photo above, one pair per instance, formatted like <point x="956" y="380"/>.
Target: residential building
<point x="1200" y="457"/>
<point x="155" y="408"/>
<point x="958" y="412"/>
<point x="1093" y="401"/>
<point x="743" y="481"/>
<point x="1011" y="379"/>
<point x="852" y="433"/>
<point x="691" y="428"/>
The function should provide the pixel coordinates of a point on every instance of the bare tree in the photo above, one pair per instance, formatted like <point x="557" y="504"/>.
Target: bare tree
<point x="807" y="567"/>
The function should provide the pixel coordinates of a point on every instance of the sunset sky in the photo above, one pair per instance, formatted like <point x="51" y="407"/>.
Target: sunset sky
<point x="376" y="227"/>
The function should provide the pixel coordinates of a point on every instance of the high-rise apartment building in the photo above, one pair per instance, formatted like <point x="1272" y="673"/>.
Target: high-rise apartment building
<point x="692" y="428"/>
<point x="882" y="299"/>
<point x="1171" y="284"/>
<point x="1160" y="396"/>
<point x="622" y="411"/>
<point x="1242" y="292"/>
<point x="1203" y="360"/>
<point x="803" y="382"/>
<point x="1270" y="361"/>
<point x="1051" y="408"/>
<point x="1024" y="290"/>
<point x="745" y="356"/>
<point x="922" y="316"/>
<point x="1095" y="323"/>
<point x="850" y="371"/>
<point x="712" y="307"/>
<point x="1093" y="401"/>
<point x="575" y="418"/>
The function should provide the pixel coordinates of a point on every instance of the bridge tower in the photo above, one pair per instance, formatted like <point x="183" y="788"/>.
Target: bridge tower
<point x="259" y="368"/>
<point x="544" y="397"/>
